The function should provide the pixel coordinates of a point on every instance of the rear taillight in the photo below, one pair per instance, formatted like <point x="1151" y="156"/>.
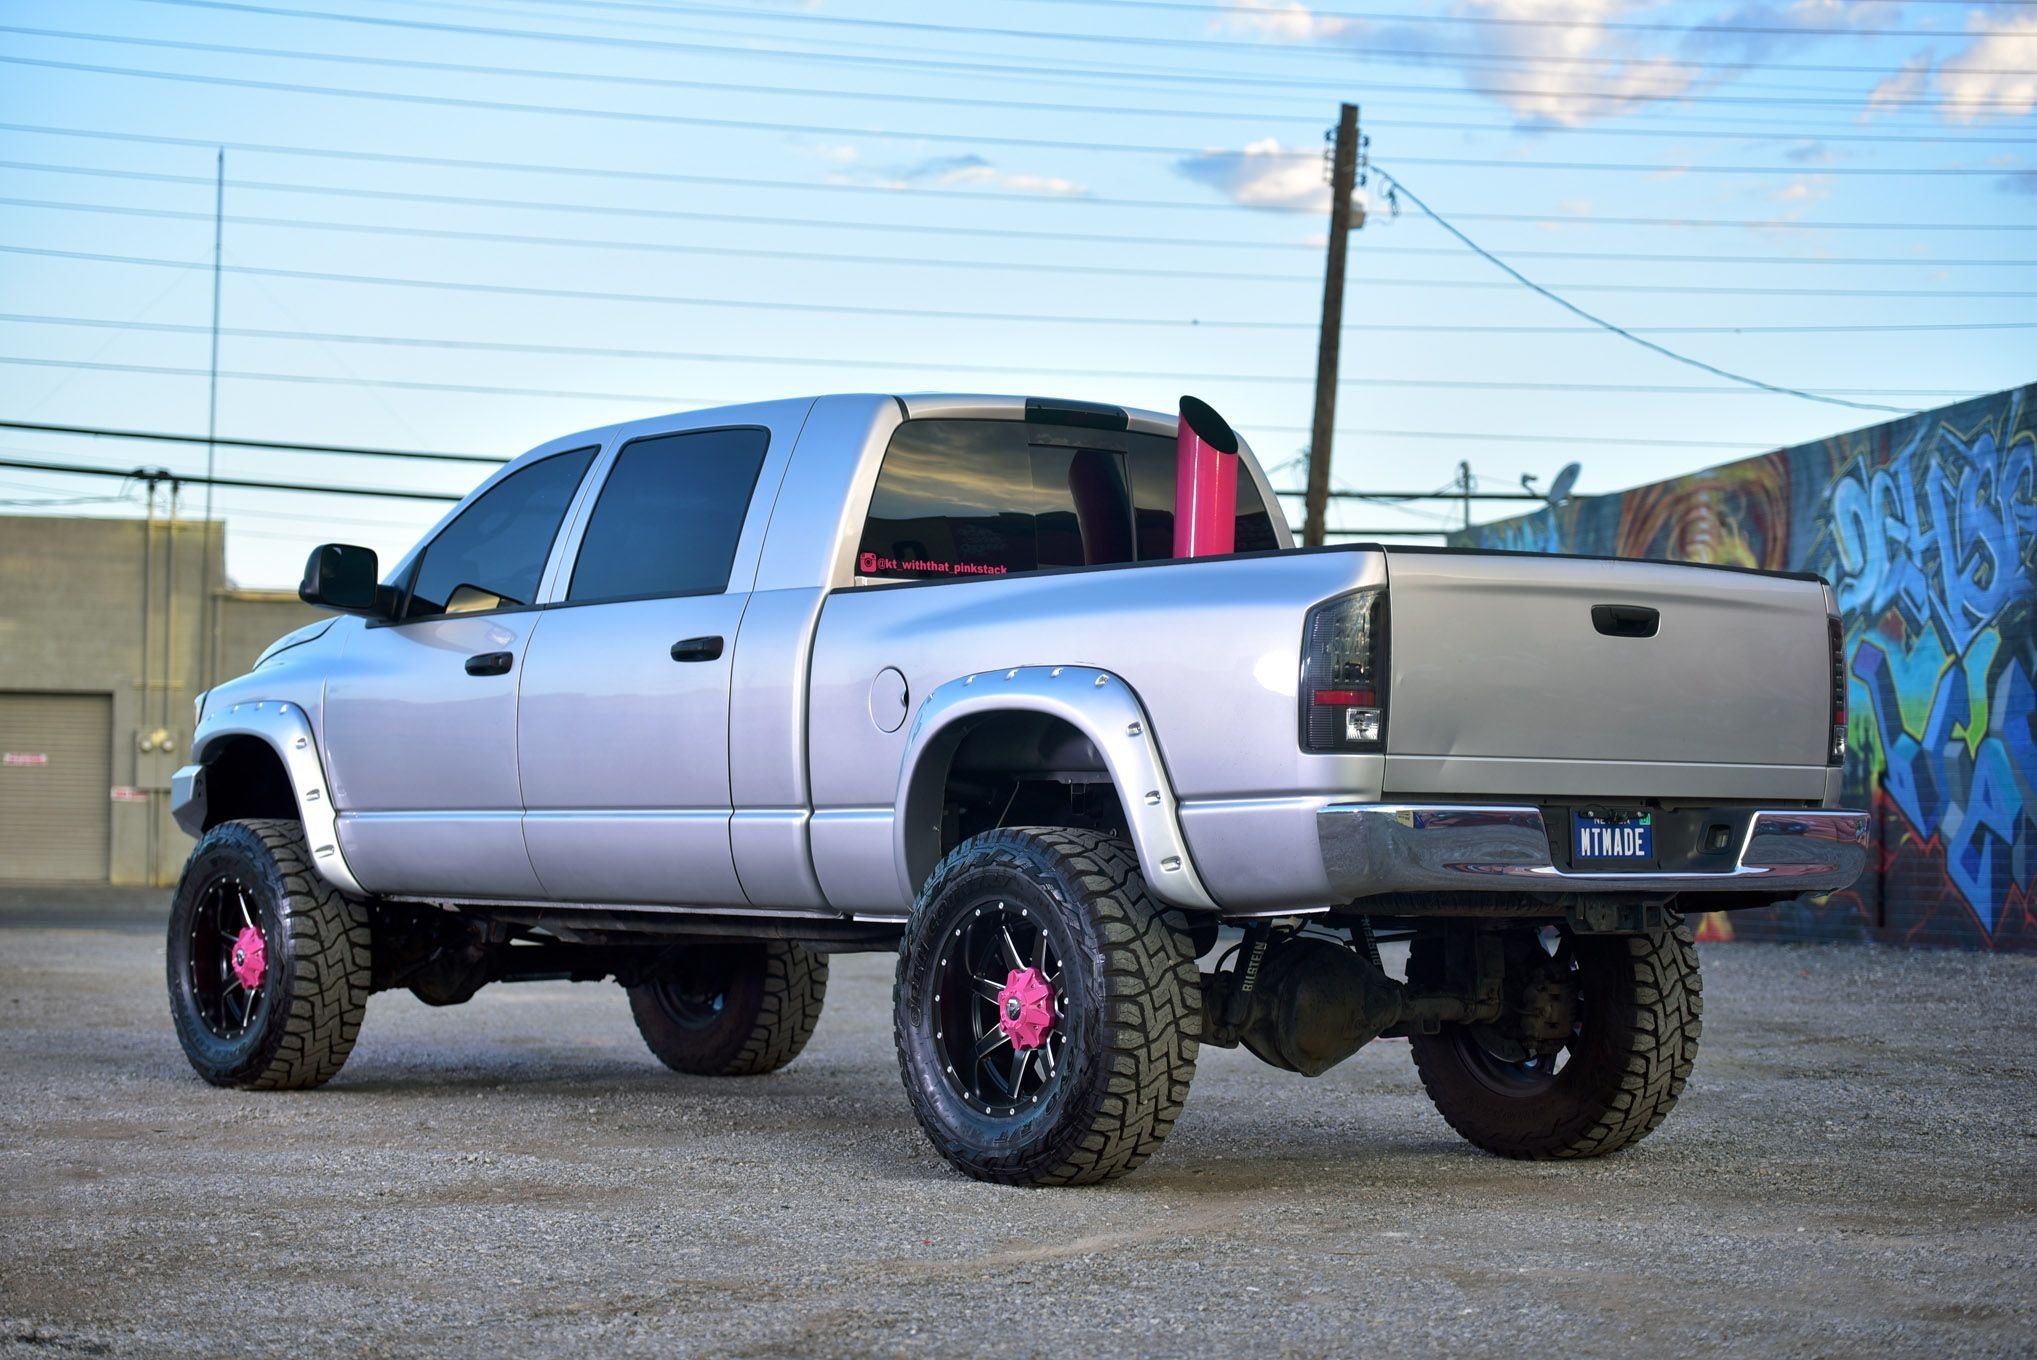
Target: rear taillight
<point x="1343" y="674"/>
<point x="1836" y="752"/>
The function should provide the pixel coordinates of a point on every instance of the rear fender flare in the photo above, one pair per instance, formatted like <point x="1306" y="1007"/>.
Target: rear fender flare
<point x="1096" y="703"/>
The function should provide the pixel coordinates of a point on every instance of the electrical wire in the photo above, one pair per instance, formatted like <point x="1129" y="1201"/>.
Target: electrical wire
<point x="1713" y="369"/>
<point x="931" y="262"/>
<point x="1045" y="318"/>
<point x="973" y="101"/>
<point x="236" y="6"/>
<point x="241" y="442"/>
<point x="246" y="484"/>
<point x="892" y="192"/>
<point x="904" y="365"/>
<point x="358" y="451"/>
<point x="996" y="233"/>
<point x="979" y="138"/>
<point x="1510" y="21"/>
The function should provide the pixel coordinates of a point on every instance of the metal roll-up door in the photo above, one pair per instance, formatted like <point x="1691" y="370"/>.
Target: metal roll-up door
<point x="56" y="777"/>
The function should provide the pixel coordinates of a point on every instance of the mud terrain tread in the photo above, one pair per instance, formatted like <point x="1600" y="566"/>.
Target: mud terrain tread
<point x="1151" y="1011"/>
<point x="1655" y="1039"/>
<point x="795" y="986"/>
<point x="792" y="984"/>
<point x="329" y="948"/>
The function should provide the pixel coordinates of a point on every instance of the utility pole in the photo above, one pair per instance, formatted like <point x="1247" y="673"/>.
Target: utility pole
<point x="207" y="611"/>
<point x="1343" y="181"/>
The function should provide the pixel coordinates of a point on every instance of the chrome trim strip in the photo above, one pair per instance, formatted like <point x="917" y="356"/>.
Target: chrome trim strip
<point x="1377" y="848"/>
<point x="286" y="728"/>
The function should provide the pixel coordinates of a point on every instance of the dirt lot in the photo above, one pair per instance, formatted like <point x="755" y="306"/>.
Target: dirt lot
<point x="1852" y="1171"/>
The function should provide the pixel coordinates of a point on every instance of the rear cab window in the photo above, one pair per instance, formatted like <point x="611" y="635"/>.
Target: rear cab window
<point x="958" y="498"/>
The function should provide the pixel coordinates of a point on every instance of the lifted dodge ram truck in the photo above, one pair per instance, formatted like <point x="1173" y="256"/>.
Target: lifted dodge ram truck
<point x="1041" y="696"/>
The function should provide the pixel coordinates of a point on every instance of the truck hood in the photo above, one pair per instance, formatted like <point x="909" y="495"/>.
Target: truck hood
<point x="310" y="632"/>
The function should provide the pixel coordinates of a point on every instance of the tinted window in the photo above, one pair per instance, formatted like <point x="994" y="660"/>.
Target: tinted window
<point x="987" y="497"/>
<point x="669" y="516"/>
<point x="493" y="555"/>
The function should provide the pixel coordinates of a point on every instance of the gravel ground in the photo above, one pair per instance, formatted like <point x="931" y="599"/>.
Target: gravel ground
<point x="1850" y="1172"/>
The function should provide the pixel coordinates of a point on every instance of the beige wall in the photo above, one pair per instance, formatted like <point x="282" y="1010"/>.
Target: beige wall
<point x="77" y="598"/>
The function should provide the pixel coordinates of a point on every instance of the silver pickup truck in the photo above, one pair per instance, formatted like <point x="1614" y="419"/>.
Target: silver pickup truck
<point x="694" y="702"/>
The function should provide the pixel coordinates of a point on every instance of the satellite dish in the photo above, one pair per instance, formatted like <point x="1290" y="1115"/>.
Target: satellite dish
<point x="1559" y="490"/>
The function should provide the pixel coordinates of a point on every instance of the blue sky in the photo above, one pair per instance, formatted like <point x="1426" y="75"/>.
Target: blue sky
<point x="1116" y="201"/>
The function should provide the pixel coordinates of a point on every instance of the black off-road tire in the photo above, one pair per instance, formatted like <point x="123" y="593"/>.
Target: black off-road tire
<point x="1129" y="997"/>
<point x="733" y="1010"/>
<point x="306" y="1011"/>
<point x="1639" y="1011"/>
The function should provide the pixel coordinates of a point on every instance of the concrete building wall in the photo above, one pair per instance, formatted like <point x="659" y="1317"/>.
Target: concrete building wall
<point x="121" y="608"/>
<point x="1927" y="529"/>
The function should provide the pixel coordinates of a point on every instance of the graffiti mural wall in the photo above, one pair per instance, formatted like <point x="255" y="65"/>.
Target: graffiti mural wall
<point x="1927" y="529"/>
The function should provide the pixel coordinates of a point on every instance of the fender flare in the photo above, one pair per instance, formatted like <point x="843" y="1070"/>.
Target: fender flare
<point x="1098" y="704"/>
<point x="285" y="728"/>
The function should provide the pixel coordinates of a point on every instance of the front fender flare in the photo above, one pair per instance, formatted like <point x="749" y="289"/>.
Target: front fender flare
<point x="284" y="728"/>
<point x="1096" y="703"/>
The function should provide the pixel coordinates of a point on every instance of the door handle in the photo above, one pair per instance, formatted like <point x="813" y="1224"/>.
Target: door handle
<point x="491" y="663"/>
<point x="1626" y="620"/>
<point x="697" y="649"/>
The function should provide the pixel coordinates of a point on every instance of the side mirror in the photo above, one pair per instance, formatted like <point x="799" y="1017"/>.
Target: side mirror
<point x="344" y="578"/>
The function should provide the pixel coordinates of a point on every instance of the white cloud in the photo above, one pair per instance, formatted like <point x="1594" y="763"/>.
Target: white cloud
<point x="1804" y="189"/>
<point x="1899" y="88"/>
<point x="1976" y="74"/>
<point x="1264" y="175"/>
<point x="975" y="172"/>
<point x="1287" y="20"/>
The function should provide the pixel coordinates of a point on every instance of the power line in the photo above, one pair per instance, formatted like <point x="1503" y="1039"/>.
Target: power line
<point x="927" y="262"/>
<point x="359" y="451"/>
<point x="908" y="97"/>
<point x="1199" y="76"/>
<point x="666" y="400"/>
<point x="895" y="365"/>
<point x="969" y="138"/>
<point x="1001" y="233"/>
<point x="893" y="193"/>
<point x="237" y="442"/>
<point x="246" y="484"/>
<point x="1230" y="48"/>
<point x="1050" y="318"/>
<point x="1498" y="21"/>
<point x="1369" y="50"/>
<point x="1667" y="353"/>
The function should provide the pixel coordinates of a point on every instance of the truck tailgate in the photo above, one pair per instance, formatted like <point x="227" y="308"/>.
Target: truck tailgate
<point x="1505" y="683"/>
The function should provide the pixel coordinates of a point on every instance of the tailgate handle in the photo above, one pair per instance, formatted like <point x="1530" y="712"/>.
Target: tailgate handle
<point x="1626" y="620"/>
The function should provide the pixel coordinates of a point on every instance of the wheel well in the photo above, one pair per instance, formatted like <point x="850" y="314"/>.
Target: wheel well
<point x="1014" y="768"/>
<point x="244" y="777"/>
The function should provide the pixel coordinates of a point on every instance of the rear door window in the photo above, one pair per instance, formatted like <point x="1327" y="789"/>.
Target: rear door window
<point x="991" y="497"/>
<point x="668" y="518"/>
<point x="492" y="556"/>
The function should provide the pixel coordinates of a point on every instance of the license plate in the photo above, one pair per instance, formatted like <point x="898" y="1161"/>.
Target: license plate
<point x="1621" y="838"/>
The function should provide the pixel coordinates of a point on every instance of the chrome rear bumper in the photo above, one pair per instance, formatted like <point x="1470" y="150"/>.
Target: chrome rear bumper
<point x="1371" y="848"/>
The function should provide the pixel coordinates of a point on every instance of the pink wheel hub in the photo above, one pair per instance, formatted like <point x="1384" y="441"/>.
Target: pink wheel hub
<point x="250" y="958"/>
<point x="1025" y="1008"/>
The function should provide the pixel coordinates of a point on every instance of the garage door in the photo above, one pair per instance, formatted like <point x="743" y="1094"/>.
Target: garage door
<point x="56" y="774"/>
